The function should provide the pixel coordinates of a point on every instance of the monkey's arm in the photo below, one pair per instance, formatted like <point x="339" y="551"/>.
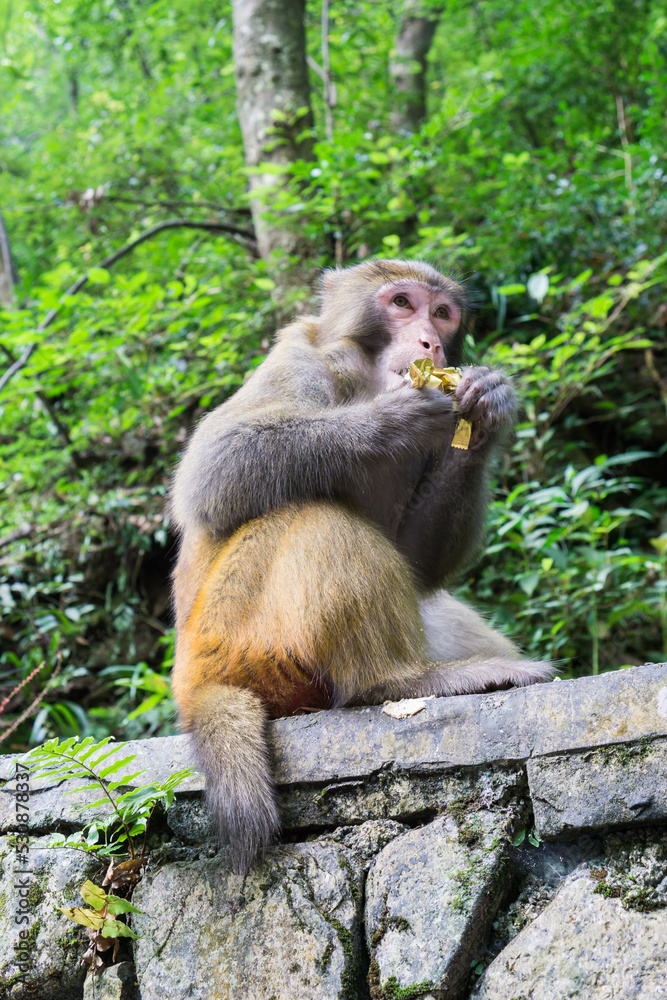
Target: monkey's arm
<point x="284" y="438"/>
<point x="443" y="525"/>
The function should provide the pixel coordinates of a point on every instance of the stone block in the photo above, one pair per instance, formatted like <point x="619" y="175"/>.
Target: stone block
<point x="582" y="946"/>
<point x="290" y="930"/>
<point x="593" y="790"/>
<point x="431" y="895"/>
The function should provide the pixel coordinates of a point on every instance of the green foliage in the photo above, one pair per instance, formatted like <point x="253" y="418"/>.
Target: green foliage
<point x="113" y="839"/>
<point x="100" y="915"/>
<point x="104" y="765"/>
<point x="540" y="163"/>
<point x="588" y="583"/>
<point x="519" y="838"/>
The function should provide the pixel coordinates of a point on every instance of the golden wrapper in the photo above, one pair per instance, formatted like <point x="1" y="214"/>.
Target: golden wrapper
<point x="423" y="372"/>
<point x="462" y="434"/>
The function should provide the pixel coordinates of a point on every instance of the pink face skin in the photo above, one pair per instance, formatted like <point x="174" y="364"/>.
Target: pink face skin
<point x="421" y="320"/>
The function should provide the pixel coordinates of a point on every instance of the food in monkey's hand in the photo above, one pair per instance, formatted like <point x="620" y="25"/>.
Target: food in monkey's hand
<point x="423" y="372"/>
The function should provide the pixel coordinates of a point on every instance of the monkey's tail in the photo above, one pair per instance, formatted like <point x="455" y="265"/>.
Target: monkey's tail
<point x="228" y="733"/>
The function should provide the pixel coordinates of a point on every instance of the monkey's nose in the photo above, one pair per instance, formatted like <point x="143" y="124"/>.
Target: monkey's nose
<point x="432" y="348"/>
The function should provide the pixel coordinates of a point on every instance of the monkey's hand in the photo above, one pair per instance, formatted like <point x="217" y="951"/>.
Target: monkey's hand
<point x="416" y="419"/>
<point x="486" y="398"/>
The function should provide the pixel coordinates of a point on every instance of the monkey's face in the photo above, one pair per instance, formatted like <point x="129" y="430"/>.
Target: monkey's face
<point x="422" y="322"/>
<point x="395" y="311"/>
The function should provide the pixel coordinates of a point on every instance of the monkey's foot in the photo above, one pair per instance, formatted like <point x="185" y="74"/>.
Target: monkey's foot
<point x="496" y="674"/>
<point x="468" y="676"/>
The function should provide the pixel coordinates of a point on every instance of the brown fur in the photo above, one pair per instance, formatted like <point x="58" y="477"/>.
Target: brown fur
<point x="310" y="566"/>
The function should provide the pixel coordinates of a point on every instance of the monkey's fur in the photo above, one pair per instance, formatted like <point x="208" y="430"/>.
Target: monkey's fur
<point x="321" y="510"/>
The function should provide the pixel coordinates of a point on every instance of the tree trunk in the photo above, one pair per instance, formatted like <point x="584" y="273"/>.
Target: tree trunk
<point x="7" y="271"/>
<point x="407" y="68"/>
<point x="273" y="100"/>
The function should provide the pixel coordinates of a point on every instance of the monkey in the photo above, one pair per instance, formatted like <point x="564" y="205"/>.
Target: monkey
<point x="322" y="513"/>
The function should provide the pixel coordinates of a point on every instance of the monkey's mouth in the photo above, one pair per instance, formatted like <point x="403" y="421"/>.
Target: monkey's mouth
<point x="398" y="377"/>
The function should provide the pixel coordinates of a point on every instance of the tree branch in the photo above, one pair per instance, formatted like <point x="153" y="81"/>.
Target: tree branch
<point x="213" y="227"/>
<point x="24" y="531"/>
<point x="17" y="364"/>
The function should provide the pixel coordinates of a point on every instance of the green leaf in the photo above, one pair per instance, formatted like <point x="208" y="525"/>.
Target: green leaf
<point x="127" y="779"/>
<point x="117" y="905"/>
<point x="88" y="746"/>
<point x="599" y="306"/>
<point x="264" y="284"/>
<point x="627" y="457"/>
<point x="94" y="764"/>
<point x="85" y="917"/>
<point x="529" y="582"/>
<point x="146" y="705"/>
<point x="116" y="766"/>
<point x="99" y="276"/>
<point x="93" y="894"/>
<point x="115" y="928"/>
<point x="660" y="544"/>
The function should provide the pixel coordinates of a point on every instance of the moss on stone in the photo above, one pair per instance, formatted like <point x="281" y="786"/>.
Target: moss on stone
<point x="324" y="962"/>
<point x="350" y="980"/>
<point x="36" y="893"/>
<point x="626" y="753"/>
<point x="33" y="931"/>
<point x="391" y="990"/>
<point x="70" y="940"/>
<point x="631" y="892"/>
<point x="389" y="923"/>
<point x="344" y="863"/>
<point x="466" y="879"/>
<point x="298" y="919"/>
<point x="70" y="890"/>
<point x="469" y="825"/>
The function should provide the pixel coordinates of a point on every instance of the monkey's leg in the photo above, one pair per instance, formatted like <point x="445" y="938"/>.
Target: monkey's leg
<point x="466" y="656"/>
<point x="341" y="602"/>
<point x="470" y="675"/>
<point x="454" y="631"/>
<point x="472" y="655"/>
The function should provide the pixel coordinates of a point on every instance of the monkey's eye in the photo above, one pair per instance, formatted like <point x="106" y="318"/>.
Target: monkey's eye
<point x="401" y="301"/>
<point x="442" y="312"/>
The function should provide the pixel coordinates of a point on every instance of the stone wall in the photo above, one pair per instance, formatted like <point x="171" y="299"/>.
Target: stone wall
<point x="509" y="846"/>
